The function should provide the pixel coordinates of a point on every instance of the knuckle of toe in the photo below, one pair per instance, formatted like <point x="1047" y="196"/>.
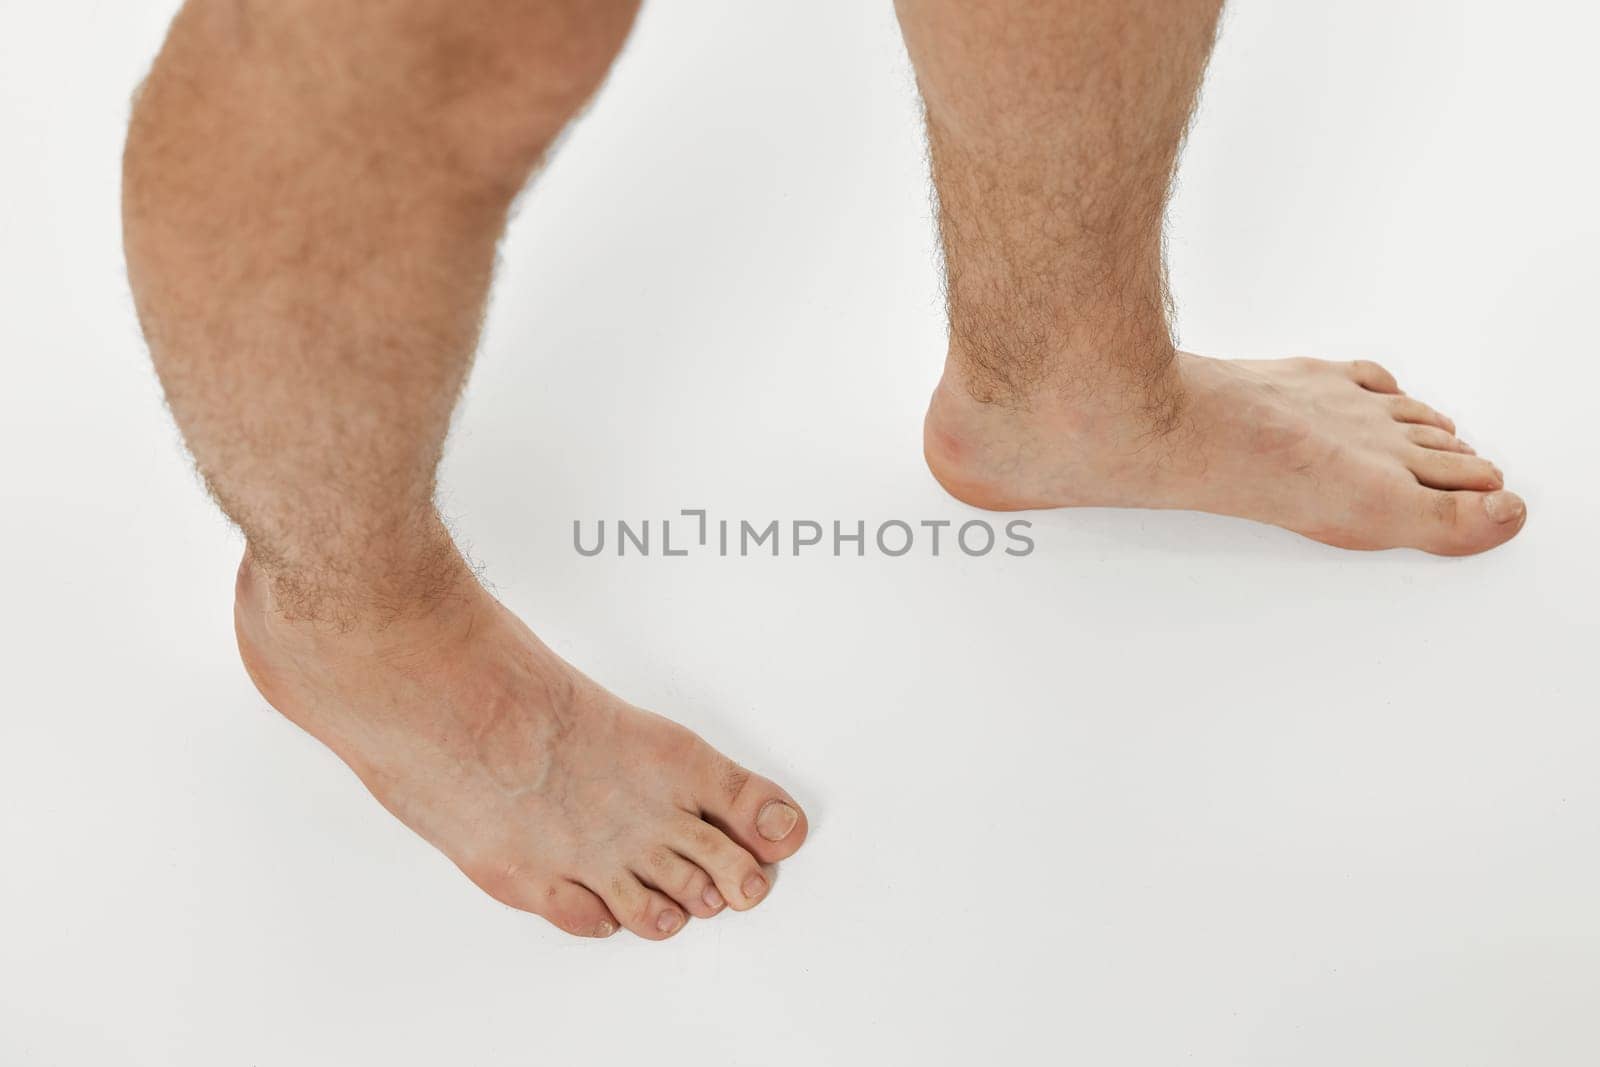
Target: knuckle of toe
<point x="735" y="857"/>
<point x="734" y="780"/>
<point x="704" y="837"/>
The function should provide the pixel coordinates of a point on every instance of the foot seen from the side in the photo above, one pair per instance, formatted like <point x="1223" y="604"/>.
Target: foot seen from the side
<point x="550" y="793"/>
<point x="1334" y="451"/>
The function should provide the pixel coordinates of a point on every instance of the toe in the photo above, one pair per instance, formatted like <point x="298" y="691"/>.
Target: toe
<point x="681" y="880"/>
<point x="738" y="876"/>
<point x="1370" y="375"/>
<point x="1433" y="437"/>
<point x="1453" y="470"/>
<point x="1461" y="523"/>
<point x="640" y="909"/>
<point x="1407" y="409"/>
<point x="563" y="903"/>
<point x="577" y="911"/>
<point x="763" y="819"/>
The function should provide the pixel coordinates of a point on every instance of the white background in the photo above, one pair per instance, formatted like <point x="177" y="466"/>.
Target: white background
<point x="1175" y="789"/>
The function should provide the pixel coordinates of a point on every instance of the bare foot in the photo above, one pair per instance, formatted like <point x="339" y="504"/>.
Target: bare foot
<point x="550" y="793"/>
<point x="1334" y="451"/>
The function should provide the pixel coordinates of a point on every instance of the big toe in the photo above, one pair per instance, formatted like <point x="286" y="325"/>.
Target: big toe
<point x="752" y="810"/>
<point x="1462" y="523"/>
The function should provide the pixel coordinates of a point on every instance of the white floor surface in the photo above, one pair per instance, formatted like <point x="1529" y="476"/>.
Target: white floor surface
<point x="1174" y="789"/>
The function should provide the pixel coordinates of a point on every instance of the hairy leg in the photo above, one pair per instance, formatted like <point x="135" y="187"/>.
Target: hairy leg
<point x="1054" y="128"/>
<point x="314" y="190"/>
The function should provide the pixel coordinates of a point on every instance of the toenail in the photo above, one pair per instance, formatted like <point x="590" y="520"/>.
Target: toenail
<point x="668" y="921"/>
<point x="712" y="898"/>
<point x="775" y="820"/>
<point x="754" y="886"/>
<point x="1503" y="507"/>
<point x="605" y="929"/>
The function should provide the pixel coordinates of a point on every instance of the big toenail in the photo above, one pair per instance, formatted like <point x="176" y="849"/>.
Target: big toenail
<point x="754" y="886"/>
<point x="668" y="921"/>
<point x="776" y="820"/>
<point x="712" y="898"/>
<point x="605" y="929"/>
<point x="1503" y="507"/>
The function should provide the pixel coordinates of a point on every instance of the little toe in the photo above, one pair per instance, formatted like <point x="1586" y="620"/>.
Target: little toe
<point x="642" y="911"/>
<point x="1433" y="437"/>
<point x="1373" y="377"/>
<point x="1408" y="409"/>
<point x="576" y="910"/>
<point x="739" y="879"/>
<point x="1462" y="522"/>
<point x="762" y="818"/>
<point x="560" y="902"/>
<point x="1453" y="470"/>
<point x="681" y="880"/>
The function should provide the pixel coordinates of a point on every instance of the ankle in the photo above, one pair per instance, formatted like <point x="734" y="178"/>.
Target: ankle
<point x="1087" y="399"/>
<point x="989" y="453"/>
<point x="1095" y="359"/>
<point x="407" y="586"/>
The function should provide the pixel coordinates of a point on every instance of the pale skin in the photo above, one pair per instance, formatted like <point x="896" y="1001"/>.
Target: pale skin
<point x="1055" y="129"/>
<point x="314" y="191"/>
